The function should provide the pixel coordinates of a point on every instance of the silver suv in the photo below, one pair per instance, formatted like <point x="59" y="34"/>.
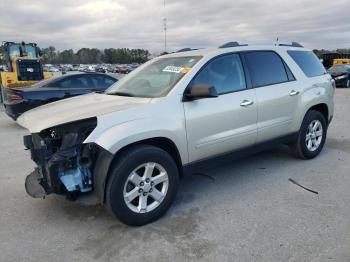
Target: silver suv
<point x="130" y="145"/>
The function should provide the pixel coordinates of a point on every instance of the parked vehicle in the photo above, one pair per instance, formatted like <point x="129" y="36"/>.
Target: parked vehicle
<point x="328" y="58"/>
<point x="52" y="69"/>
<point x="75" y="67"/>
<point x="90" y="68"/>
<point x="3" y="68"/>
<point x="100" y="70"/>
<point x="341" y="74"/>
<point x="17" y="101"/>
<point x="131" y="144"/>
<point x="122" y="70"/>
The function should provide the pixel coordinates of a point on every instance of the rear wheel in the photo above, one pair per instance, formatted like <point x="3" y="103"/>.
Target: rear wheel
<point x="142" y="185"/>
<point x="312" y="135"/>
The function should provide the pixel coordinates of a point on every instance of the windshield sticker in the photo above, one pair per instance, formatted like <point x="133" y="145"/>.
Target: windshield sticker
<point x="185" y="70"/>
<point x="173" y="69"/>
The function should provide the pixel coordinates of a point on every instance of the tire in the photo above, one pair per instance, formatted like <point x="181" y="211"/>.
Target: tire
<point x="123" y="182"/>
<point x="301" y="147"/>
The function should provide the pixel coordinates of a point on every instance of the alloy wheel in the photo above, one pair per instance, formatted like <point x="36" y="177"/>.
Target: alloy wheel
<point x="314" y="135"/>
<point x="146" y="187"/>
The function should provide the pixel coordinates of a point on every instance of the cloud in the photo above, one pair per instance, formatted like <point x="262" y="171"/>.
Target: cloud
<point x="207" y="23"/>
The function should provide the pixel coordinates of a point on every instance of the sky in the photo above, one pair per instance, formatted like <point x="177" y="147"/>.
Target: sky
<point x="102" y="24"/>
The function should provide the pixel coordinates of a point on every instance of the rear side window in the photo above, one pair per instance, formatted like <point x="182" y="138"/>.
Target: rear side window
<point x="102" y="81"/>
<point x="265" y="68"/>
<point x="73" y="82"/>
<point x="308" y="62"/>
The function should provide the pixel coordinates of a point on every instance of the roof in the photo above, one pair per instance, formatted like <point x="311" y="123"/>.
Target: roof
<point x="59" y="77"/>
<point x="238" y="47"/>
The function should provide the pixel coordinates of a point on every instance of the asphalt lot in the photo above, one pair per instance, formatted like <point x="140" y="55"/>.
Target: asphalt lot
<point x="244" y="210"/>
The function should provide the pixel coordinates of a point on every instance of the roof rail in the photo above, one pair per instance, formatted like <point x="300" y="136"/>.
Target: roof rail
<point x="246" y="43"/>
<point x="294" y="44"/>
<point x="185" y="49"/>
<point x="232" y="44"/>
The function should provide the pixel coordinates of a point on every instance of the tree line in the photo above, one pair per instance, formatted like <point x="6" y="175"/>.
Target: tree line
<point x="51" y="55"/>
<point x="320" y="52"/>
<point x="94" y="56"/>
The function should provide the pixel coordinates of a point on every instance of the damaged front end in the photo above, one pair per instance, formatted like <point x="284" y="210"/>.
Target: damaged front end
<point x="64" y="163"/>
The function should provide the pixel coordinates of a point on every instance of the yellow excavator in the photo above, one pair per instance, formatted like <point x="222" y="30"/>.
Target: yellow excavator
<point x="23" y="64"/>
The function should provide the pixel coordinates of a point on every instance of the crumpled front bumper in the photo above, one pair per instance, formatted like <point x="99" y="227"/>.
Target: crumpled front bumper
<point x="65" y="172"/>
<point x="65" y="164"/>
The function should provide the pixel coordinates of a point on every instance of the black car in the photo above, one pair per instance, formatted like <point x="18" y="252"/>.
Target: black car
<point x="341" y="75"/>
<point x="18" y="100"/>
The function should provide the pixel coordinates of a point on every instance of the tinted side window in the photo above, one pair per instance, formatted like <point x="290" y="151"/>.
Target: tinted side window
<point x="102" y="81"/>
<point x="308" y="62"/>
<point x="225" y="73"/>
<point x="73" y="82"/>
<point x="265" y="68"/>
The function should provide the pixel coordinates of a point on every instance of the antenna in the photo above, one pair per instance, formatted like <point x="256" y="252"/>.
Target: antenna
<point x="165" y="29"/>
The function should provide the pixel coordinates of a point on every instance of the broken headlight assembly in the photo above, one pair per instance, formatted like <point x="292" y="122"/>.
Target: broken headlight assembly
<point x="64" y="163"/>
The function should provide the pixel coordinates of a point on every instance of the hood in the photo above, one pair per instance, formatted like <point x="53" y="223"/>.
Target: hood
<point x="76" y="108"/>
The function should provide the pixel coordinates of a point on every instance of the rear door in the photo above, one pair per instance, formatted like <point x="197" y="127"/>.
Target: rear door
<point x="277" y="93"/>
<point x="227" y="122"/>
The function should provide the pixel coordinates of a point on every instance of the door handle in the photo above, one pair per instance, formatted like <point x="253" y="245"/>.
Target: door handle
<point x="293" y="93"/>
<point x="246" y="102"/>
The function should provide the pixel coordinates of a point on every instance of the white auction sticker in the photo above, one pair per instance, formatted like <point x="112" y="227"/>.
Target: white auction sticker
<point x="172" y="69"/>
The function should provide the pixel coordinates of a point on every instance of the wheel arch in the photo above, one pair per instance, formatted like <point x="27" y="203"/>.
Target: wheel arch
<point x="322" y="108"/>
<point x="161" y="142"/>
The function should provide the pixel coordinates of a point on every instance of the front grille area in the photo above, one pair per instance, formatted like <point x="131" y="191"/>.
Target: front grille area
<point x="29" y="70"/>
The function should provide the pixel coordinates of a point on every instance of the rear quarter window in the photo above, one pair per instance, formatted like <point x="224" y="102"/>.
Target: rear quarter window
<point x="308" y="62"/>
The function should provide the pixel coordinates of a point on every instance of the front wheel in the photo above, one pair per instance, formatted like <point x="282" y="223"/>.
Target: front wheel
<point x="312" y="135"/>
<point x="142" y="185"/>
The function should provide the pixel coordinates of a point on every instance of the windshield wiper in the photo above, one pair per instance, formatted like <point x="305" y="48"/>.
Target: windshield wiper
<point x="121" y="94"/>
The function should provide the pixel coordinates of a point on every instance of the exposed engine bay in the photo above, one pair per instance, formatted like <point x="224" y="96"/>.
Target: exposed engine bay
<point x="64" y="164"/>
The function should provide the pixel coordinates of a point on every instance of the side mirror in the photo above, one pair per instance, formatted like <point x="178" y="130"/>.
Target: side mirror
<point x="198" y="91"/>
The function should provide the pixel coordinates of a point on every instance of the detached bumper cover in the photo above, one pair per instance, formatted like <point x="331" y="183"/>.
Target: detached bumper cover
<point x="34" y="185"/>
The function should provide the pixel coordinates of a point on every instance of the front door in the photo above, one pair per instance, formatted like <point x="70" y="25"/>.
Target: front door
<point x="227" y="122"/>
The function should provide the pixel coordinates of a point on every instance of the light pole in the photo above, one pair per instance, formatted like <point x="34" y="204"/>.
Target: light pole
<point x="165" y="29"/>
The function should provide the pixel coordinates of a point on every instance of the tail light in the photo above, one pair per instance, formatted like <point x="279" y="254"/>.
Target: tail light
<point x="333" y="83"/>
<point x="13" y="98"/>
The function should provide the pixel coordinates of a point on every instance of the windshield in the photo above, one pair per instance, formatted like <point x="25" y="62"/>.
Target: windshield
<point x="155" y="79"/>
<point x="338" y="69"/>
<point x="28" y="50"/>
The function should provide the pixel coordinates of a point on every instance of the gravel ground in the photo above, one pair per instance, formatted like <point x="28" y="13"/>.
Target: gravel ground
<point x="244" y="210"/>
